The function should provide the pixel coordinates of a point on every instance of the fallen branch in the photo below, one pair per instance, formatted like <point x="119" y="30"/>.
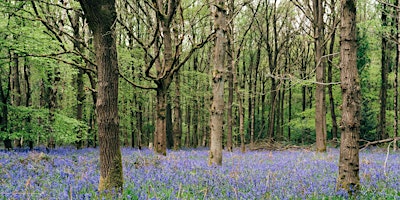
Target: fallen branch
<point x="377" y="142"/>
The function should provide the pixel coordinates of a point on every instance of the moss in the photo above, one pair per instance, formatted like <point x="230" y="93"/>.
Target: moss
<point x="112" y="185"/>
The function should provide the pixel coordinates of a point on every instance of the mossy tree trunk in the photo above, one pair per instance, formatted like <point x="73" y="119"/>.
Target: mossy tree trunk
<point x="101" y="17"/>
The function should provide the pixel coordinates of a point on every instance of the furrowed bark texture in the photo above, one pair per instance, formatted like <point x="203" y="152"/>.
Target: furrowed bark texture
<point x="101" y="16"/>
<point x="351" y="96"/>
<point x="217" y="107"/>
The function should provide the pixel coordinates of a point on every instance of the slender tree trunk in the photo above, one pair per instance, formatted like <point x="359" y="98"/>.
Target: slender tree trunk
<point x="177" y="126"/>
<point x="241" y="110"/>
<point x="5" y="100"/>
<point x="331" y="100"/>
<point x="320" y="110"/>
<point x="250" y="111"/>
<point x="290" y="109"/>
<point x="385" y="62"/>
<point x="28" y="102"/>
<point x="230" y="54"/>
<point x="195" y="135"/>
<point x="16" y="95"/>
<point x="188" y="125"/>
<point x="92" y="117"/>
<point x="253" y="86"/>
<point x="229" y="145"/>
<point x="396" y="78"/>
<point x="80" y="94"/>
<point x="101" y="17"/>
<point x="330" y="66"/>
<point x="351" y="101"/>
<point x="15" y="82"/>
<point x="51" y="92"/>
<point x="217" y="107"/>
<point x="170" y="140"/>
<point x="271" y="122"/>
<point x="139" y="122"/>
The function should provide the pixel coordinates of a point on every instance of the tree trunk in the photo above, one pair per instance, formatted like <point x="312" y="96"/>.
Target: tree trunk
<point x="28" y="103"/>
<point x="51" y="93"/>
<point x="230" y="68"/>
<point x="330" y="91"/>
<point x="351" y="101"/>
<point x="92" y="117"/>
<point x="188" y="125"/>
<point x="230" y="72"/>
<point x="160" y="136"/>
<point x="396" y="78"/>
<point x="195" y="135"/>
<point x="139" y="124"/>
<point x="101" y="17"/>
<point x="385" y="62"/>
<point x="170" y="140"/>
<point x="80" y="93"/>
<point x="320" y="112"/>
<point x="271" y="115"/>
<point x="177" y="126"/>
<point x="217" y="107"/>
<point x="5" y="98"/>
<point x="330" y="66"/>
<point x="16" y="95"/>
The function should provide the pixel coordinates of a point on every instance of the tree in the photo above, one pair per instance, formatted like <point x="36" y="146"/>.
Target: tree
<point x="320" y="108"/>
<point x="101" y="17"/>
<point x="351" y="101"/>
<point x="163" y="54"/>
<point x="385" y="63"/>
<point x="396" y="77"/>
<point x="219" y="11"/>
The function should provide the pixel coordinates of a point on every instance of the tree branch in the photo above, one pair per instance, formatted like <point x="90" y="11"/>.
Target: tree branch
<point x="377" y="142"/>
<point x="134" y="84"/>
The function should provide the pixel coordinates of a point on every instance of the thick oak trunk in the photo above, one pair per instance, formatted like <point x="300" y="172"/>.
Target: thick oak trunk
<point x="101" y="17"/>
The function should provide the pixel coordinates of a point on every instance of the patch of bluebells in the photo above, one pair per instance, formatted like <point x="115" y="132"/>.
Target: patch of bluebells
<point x="66" y="173"/>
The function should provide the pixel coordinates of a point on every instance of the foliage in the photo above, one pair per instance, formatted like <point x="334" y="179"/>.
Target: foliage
<point x="369" y="109"/>
<point x="292" y="174"/>
<point x="33" y="125"/>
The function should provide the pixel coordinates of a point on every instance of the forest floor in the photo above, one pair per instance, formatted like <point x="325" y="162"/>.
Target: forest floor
<point x="66" y="173"/>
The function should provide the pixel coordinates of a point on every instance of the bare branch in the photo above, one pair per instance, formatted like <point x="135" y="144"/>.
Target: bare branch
<point x="134" y="84"/>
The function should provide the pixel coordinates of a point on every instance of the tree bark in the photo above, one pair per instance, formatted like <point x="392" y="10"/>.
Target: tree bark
<point x="385" y="64"/>
<point x="188" y="125"/>
<point x="217" y="108"/>
<point x="28" y="102"/>
<point x="160" y="136"/>
<point x="177" y="126"/>
<point x="101" y="17"/>
<point x="170" y="140"/>
<point x="396" y="78"/>
<point x="80" y="93"/>
<point x="5" y="100"/>
<point x="320" y="110"/>
<point x="348" y="178"/>
<point x="16" y="95"/>
<point x="330" y="68"/>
